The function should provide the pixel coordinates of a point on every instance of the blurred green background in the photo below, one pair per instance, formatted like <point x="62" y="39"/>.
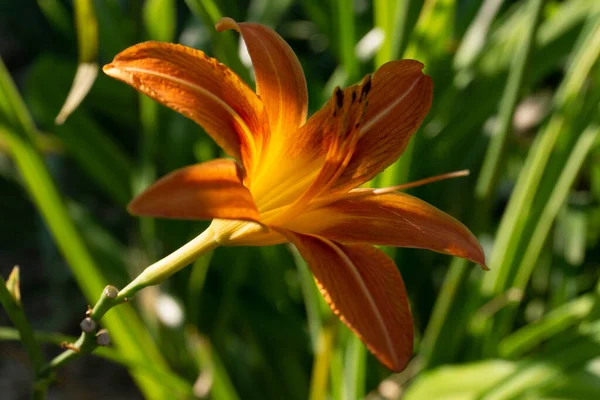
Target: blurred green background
<point x="517" y="95"/>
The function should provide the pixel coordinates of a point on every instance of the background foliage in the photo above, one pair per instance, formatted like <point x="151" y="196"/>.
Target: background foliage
<point x="516" y="102"/>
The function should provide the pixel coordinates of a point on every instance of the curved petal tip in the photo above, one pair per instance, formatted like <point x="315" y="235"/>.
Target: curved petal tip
<point x="226" y="23"/>
<point x="114" y="72"/>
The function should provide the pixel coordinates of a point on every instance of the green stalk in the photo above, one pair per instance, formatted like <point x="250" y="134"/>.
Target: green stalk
<point x="87" y="46"/>
<point x="355" y="371"/>
<point x="431" y="34"/>
<point x="344" y="17"/>
<point x="571" y="170"/>
<point x="384" y="11"/>
<point x="528" y="337"/>
<point x="322" y="363"/>
<point x="515" y="218"/>
<point x="19" y="132"/>
<point x="315" y="311"/>
<point x="495" y="155"/>
<point x="432" y="344"/>
<point x="13" y="308"/>
<point x="402" y="25"/>
<point x="546" y="369"/>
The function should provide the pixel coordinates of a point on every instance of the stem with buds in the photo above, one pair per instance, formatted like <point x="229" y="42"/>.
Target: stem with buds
<point x="91" y="336"/>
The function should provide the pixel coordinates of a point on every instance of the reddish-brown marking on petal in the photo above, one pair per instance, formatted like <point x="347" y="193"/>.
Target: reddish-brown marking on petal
<point x="391" y="219"/>
<point x="311" y="163"/>
<point x="365" y="290"/>
<point x="399" y="100"/>
<point x="203" y="191"/>
<point x="200" y="88"/>
<point x="342" y="133"/>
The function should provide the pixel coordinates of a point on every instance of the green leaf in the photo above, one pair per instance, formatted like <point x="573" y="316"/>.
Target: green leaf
<point x="126" y="329"/>
<point x="87" y="70"/>
<point x="11" y="302"/>
<point x="459" y="382"/>
<point x="160" y="19"/>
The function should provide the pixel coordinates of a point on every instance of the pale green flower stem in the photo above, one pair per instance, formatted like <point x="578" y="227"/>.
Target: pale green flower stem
<point x="164" y="268"/>
<point x="111" y="296"/>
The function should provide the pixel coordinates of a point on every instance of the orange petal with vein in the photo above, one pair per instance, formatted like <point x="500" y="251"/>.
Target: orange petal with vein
<point x="280" y="81"/>
<point x="392" y="219"/>
<point x="200" y="88"/>
<point x="365" y="290"/>
<point x="203" y="191"/>
<point x="400" y="99"/>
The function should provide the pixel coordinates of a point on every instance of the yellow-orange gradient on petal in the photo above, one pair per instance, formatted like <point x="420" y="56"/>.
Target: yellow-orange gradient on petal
<point x="294" y="180"/>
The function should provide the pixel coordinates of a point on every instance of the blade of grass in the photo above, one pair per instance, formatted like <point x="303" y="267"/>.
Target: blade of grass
<point x="355" y="371"/>
<point x="384" y="12"/>
<point x="87" y="70"/>
<point x="316" y="310"/>
<point x="13" y="308"/>
<point x="513" y="222"/>
<point x="96" y="152"/>
<point x="520" y="214"/>
<point x="460" y="123"/>
<point x="433" y="348"/>
<point x="428" y="44"/>
<point x="477" y="34"/>
<point x="159" y="24"/>
<point x="160" y="20"/>
<point x="493" y="161"/>
<point x="336" y="371"/>
<point x="343" y="12"/>
<point x="406" y="15"/>
<point x="542" y="224"/>
<point x="531" y="335"/>
<point x="216" y="382"/>
<point x="321" y="364"/>
<point x="546" y="368"/>
<point x="565" y="181"/>
<point x="125" y="328"/>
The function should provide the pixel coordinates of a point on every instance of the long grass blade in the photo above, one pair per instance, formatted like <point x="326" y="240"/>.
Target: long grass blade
<point x="87" y="70"/>
<point x="125" y="328"/>
<point x="493" y="161"/>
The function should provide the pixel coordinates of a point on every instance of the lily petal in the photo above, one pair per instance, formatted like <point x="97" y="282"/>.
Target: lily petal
<point x="203" y="191"/>
<point x="398" y="102"/>
<point x="280" y="81"/>
<point x="365" y="290"/>
<point x="392" y="219"/>
<point x="200" y="88"/>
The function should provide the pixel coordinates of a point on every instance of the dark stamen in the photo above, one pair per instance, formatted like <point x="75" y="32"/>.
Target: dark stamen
<point x="366" y="87"/>
<point x="339" y="97"/>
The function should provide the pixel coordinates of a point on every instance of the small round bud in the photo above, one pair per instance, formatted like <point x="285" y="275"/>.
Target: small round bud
<point x="103" y="338"/>
<point x="111" y="292"/>
<point x="88" y="325"/>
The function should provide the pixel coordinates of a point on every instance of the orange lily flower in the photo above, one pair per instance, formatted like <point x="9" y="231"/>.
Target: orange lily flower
<point x="294" y="180"/>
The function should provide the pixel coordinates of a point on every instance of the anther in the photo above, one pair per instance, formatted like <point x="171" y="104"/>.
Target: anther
<point x="366" y="87"/>
<point x="339" y="97"/>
